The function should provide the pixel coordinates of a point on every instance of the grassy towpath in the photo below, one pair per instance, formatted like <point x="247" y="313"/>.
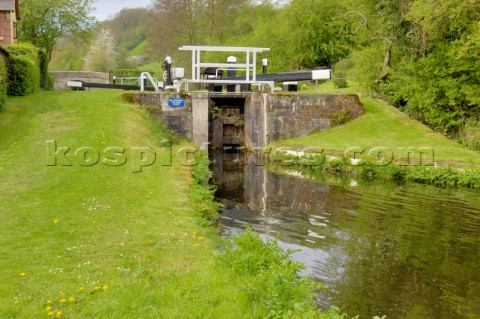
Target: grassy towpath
<point x="383" y="126"/>
<point x="100" y="241"/>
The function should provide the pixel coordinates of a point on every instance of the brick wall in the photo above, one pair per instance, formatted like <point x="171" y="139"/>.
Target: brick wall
<point x="6" y="28"/>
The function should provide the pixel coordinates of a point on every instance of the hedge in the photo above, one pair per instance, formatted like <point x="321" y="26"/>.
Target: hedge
<point x="3" y="83"/>
<point x="129" y="73"/>
<point x="23" y="69"/>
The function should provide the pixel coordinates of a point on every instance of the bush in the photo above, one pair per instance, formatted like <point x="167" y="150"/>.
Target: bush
<point x="470" y="134"/>
<point x="23" y="69"/>
<point x="21" y="79"/>
<point x="3" y="84"/>
<point x="340" y="83"/>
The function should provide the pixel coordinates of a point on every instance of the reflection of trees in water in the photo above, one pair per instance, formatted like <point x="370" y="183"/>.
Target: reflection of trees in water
<point x="409" y="256"/>
<point x="406" y="251"/>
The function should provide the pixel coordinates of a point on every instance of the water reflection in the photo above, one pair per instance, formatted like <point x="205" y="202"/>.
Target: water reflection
<point x="407" y="251"/>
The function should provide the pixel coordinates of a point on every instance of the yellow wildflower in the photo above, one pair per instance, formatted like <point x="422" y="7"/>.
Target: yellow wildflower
<point x="55" y="221"/>
<point x="22" y="274"/>
<point x="195" y="232"/>
<point x="49" y="301"/>
<point x="96" y="288"/>
<point x="59" y="314"/>
<point x="61" y="293"/>
<point x="201" y="238"/>
<point x="105" y="287"/>
<point x="50" y="313"/>
<point x="49" y="308"/>
<point x="63" y="300"/>
<point x="195" y="245"/>
<point x="71" y="299"/>
<point x="80" y="289"/>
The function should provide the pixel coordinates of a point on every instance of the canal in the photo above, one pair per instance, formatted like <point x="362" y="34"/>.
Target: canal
<point x="405" y="251"/>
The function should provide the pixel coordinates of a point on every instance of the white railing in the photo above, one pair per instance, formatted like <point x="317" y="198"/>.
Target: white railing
<point x="250" y="66"/>
<point x="146" y="75"/>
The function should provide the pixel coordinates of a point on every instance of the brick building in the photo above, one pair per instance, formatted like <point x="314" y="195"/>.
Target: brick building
<point x="9" y="15"/>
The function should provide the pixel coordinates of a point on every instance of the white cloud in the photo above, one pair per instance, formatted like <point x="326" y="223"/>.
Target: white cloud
<point x="105" y="9"/>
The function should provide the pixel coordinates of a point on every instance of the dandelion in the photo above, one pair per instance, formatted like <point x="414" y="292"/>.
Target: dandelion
<point x="195" y="245"/>
<point x="55" y="221"/>
<point x="201" y="238"/>
<point x="195" y="232"/>
<point x="59" y="314"/>
<point x="50" y="313"/>
<point x="22" y="274"/>
<point x="105" y="287"/>
<point x="49" y="308"/>
<point x="71" y="299"/>
<point x="96" y="288"/>
<point x="61" y="293"/>
<point x="63" y="300"/>
<point x="80" y="289"/>
<point x="49" y="302"/>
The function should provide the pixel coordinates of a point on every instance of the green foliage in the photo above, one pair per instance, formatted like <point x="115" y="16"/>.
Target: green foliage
<point x="45" y="21"/>
<point x="341" y="83"/>
<point x="23" y="69"/>
<point x="129" y="73"/>
<point x="470" y="134"/>
<point x="341" y="117"/>
<point x="45" y="78"/>
<point x="129" y="27"/>
<point x="201" y="193"/>
<point x="69" y="53"/>
<point x="274" y="282"/>
<point x="3" y="83"/>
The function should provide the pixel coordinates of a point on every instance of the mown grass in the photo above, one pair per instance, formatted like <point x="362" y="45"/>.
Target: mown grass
<point x="122" y="245"/>
<point x="383" y="126"/>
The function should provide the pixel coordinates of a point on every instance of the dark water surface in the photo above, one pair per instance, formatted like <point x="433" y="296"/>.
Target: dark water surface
<point x="405" y="251"/>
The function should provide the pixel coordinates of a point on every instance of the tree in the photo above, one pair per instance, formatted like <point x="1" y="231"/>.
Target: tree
<point x="102" y="54"/>
<point x="45" y="21"/>
<point x="191" y="22"/>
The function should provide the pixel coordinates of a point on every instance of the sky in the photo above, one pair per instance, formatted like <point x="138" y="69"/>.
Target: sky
<point x="105" y="9"/>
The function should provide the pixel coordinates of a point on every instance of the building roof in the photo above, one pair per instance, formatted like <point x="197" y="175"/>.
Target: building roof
<point x="10" y="5"/>
<point x="7" y="5"/>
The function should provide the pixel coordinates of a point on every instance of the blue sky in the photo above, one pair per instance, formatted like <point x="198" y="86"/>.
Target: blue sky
<point x="105" y="9"/>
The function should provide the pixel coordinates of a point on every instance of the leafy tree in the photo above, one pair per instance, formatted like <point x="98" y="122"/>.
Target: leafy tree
<point x="192" y="22"/>
<point x="102" y="54"/>
<point x="316" y="33"/>
<point x="441" y="20"/>
<point x="69" y="53"/>
<point x="45" y="21"/>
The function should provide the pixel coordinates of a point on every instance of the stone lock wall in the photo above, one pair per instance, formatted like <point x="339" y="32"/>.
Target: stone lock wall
<point x="271" y="117"/>
<point x="267" y="117"/>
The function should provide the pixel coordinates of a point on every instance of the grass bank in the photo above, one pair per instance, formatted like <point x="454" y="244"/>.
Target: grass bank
<point x="86" y="234"/>
<point x="399" y="138"/>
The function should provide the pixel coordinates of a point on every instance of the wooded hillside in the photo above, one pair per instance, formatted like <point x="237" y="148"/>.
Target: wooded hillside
<point x="420" y="55"/>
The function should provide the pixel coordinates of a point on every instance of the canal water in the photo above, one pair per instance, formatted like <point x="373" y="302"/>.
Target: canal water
<point x="405" y="251"/>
